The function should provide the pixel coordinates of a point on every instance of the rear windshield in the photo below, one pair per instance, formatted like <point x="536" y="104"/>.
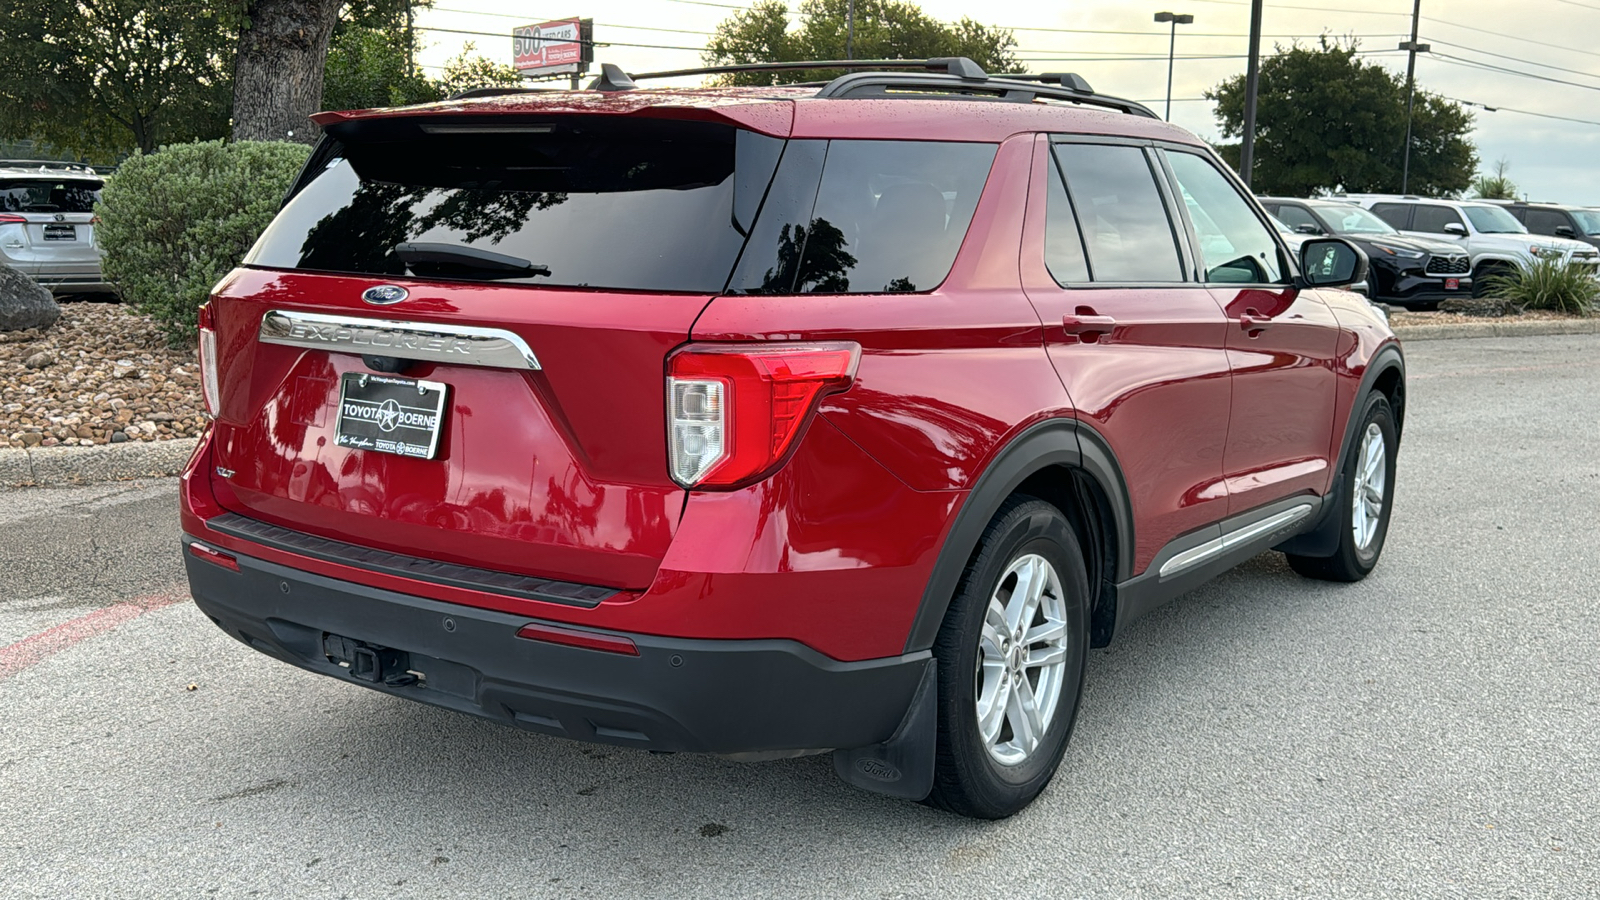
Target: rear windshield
<point x="36" y="195"/>
<point x="637" y="205"/>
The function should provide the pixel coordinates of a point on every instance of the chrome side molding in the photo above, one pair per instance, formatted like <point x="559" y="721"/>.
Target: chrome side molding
<point x="461" y="345"/>
<point x="1215" y="547"/>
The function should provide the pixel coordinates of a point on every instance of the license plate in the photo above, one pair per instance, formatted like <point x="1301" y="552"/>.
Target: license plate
<point x="60" y="233"/>
<point x="387" y="414"/>
<point x="1452" y="284"/>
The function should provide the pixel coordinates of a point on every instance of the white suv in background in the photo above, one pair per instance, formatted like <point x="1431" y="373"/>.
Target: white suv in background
<point x="47" y="224"/>
<point x="1495" y="240"/>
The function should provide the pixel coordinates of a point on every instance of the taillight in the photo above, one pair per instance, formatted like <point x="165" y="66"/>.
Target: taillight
<point x="213" y="555"/>
<point x="208" y="361"/>
<point x="734" y="411"/>
<point x="9" y="219"/>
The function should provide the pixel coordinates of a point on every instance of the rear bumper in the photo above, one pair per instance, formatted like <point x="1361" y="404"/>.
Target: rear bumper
<point x="709" y="696"/>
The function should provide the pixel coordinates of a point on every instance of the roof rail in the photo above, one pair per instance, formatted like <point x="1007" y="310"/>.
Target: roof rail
<point x="469" y="93"/>
<point x="953" y="65"/>
<point x="48" y="164"/>
<point x="949" y="75"/>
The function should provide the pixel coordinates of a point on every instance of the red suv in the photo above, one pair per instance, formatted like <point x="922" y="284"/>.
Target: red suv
<point x="772" y="421"/>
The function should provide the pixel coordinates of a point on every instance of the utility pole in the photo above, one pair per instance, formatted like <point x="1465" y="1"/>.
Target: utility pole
<point x="850" y="30"/>
<point x="1413" y="49"/>
<point x="1252" y="82"/>
<point x="411" y="42"/>
<point x="1172" y="48"/>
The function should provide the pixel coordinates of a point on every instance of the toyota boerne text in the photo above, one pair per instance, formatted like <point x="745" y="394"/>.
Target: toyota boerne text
<point x="841" y="417"/>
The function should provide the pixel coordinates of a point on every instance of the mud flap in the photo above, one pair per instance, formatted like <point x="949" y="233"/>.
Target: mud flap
<point x="903" y="765"/>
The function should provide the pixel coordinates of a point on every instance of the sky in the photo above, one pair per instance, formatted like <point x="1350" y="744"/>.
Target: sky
<point x="1120" y="50"/>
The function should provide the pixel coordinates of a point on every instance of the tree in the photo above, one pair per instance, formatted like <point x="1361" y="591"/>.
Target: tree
<point x="367" y="67"/>
<point x="1497" y="186"/>
<point x="884" y="29"/>
<point x="469" y="70"/>
<point x="1327" y="120"/>
<point x="278" y="73"/>
<point x="101" y="77"/>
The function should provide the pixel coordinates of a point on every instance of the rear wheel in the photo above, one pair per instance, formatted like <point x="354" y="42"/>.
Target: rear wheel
<point x="1481" y="284"/>
<point x="1363" y="502"/>
<point x="1011" y="656"/>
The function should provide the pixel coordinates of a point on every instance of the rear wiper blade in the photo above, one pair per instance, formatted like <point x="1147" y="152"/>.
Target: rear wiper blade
<point x="449" y="258"/>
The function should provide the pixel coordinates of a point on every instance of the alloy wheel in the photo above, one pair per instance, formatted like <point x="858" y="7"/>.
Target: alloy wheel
<point x="1021" y="659"/>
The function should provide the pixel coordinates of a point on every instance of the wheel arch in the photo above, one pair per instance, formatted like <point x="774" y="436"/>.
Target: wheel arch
<point x="1068" y="464"/>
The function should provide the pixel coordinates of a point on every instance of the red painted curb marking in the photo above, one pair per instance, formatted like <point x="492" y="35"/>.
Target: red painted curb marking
<point x="31" y="651"/>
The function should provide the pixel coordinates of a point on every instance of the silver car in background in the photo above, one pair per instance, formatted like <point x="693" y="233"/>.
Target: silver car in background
<point x="47" y="224"/>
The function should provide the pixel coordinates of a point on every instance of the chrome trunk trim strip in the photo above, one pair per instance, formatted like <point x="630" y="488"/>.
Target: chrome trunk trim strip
<point x="461" y="345"/>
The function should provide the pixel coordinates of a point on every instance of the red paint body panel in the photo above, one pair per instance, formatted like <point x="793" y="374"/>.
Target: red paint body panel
<point x="559" y="472"/>
<point x="1281" y="423"/>
<point x="1157" y="388"/>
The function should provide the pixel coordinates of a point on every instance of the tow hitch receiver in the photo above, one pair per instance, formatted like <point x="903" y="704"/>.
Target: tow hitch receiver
<point x="369" y="662"/>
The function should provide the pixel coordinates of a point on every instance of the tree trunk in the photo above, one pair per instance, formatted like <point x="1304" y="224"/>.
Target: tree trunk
<point x="277" y="80"/>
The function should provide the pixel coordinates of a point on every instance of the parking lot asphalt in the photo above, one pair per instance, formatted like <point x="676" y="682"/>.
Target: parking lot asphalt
<point x="1431" y="732"/>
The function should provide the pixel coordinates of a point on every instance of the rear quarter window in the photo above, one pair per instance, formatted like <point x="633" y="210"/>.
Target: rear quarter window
<point x="1398" y="215"/>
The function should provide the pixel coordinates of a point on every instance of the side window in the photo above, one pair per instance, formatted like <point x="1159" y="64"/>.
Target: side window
<point x="886" y="217"/>
<point x="1398" y="215"/>
<point x="1063" y="242"/>
<point x="1295" y="216"/>
<point x="1235" y="245"/>
<point x="1433" y="219"/>
<point x="1125" y="224"/>
<point x="1544" y="221"/>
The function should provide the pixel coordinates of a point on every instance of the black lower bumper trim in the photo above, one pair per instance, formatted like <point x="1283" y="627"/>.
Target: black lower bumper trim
<point x="709" y="696"/>
<point x="429" y="570"/>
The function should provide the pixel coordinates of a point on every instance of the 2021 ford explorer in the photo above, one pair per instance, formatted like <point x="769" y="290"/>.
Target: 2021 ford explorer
<point x="768" y="421"/>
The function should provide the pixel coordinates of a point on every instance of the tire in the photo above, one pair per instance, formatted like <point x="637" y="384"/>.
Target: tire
<point x="1479" y="278"/>
<point x="1362" y="530"/>
<point x="1028" y="542"/>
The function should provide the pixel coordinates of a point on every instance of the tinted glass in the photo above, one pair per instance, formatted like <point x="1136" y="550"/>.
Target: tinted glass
<point x="639" y="205"/>
<point x="1295" y="216"/>
<point x="888" y="217"/>
<point x="1125" y="224"/>
<point x="1235" y="245"/>
<point x="47" y="196"/>
<point x="1434" y="218"/>
<point x="1494" y="220"/>
<point x="1397" y="215"/>
<point x="1543" y="221"/>
<point x="1353" y="220"/>
<point x="1063" y="243"/>
<point x="1588" y="220"/>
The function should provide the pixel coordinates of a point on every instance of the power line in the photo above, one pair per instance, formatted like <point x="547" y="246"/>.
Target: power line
<point x="498" y="34"/>
<point x="1524" y="112"/>
<point x="1501" y="34"/>
<point x="531" y="20"/>
<point x="1491" y="67"/>
<point x="1517" y="58"/>
<point x="1334" y="9"/>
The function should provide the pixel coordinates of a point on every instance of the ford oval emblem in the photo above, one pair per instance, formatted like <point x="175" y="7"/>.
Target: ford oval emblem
<point x="384" y="294"/>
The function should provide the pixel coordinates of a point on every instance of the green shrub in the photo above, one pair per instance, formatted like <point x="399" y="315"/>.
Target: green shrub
<point x="1548" y="283"/>
<point x="173" y="222"/>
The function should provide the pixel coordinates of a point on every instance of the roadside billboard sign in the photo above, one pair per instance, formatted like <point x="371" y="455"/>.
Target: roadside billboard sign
<point x="553" y="48"/>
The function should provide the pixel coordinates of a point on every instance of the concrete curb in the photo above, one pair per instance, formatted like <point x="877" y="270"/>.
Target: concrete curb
<point x="1492" y="329"/>
<point x="48" y="466"/>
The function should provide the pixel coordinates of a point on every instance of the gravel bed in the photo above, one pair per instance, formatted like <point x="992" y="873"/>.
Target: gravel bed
<point x="102" y="374"/>
<point x="1402" y="317"/>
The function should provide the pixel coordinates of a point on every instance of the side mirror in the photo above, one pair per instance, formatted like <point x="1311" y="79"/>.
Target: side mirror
<point x="1565" y="231"/>
<point x="1331" y="262"/>
<point x="1307" y="228"/>
<point x="1456" y="229"/>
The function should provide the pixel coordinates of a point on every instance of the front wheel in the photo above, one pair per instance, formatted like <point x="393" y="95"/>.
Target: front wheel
<point x="1364" y="501"/>
<point x="1011" y="657"/>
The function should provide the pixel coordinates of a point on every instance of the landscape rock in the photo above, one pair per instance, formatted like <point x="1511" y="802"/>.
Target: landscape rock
<point x="23" y="303"/>
<point x="39" y="360"/>
<point x="1489" y="307"/>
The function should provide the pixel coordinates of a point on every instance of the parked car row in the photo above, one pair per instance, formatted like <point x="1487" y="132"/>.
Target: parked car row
<point x="47" y="224"/>
<point x="1423" y="251"/>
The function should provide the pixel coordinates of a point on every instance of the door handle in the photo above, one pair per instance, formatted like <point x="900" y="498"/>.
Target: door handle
<point x="1088" y="326"/>
<point x="1254" y="322"/>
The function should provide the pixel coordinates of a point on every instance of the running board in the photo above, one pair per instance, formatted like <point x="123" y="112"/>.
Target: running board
<point x="1204" y="553"/>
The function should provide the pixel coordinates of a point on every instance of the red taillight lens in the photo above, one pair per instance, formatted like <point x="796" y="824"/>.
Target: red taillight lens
<point x="589" y="640"/>
<point x="735" y="411"/>
<point x="9" y="219"/>
<point x="214" y="556"/>
<point x="209" y="388"/>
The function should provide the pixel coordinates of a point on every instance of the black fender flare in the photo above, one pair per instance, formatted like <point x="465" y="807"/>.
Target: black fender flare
<point x="1052" y="442"/>
<point x="1322" y="539"/>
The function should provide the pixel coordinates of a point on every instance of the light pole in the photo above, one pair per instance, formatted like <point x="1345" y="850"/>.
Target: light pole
<point x="1172" y="48"/>
<point x="1252" y="85"/>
